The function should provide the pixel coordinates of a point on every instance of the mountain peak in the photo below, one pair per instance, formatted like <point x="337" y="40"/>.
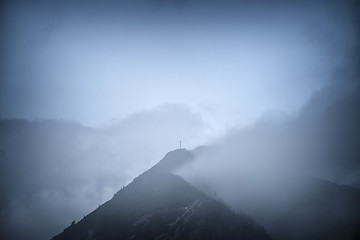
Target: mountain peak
<point x="173" y="160"/>
<point x="161" y="205"/>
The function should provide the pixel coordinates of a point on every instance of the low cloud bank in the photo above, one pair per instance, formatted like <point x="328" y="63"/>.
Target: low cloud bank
<point x="266" y="168"/>
<point x="53" y="172"/>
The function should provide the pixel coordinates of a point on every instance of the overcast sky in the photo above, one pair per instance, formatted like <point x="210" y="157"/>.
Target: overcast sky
<point x="262" y="80"/>
<point x="230" y="61"/>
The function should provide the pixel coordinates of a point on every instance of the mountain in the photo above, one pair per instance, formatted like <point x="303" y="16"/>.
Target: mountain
<point x="161" y="205"/>
<point x="322" y="210"/>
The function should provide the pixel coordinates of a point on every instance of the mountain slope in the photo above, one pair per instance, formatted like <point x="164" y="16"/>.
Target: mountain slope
<point x="323" y="210"/>
<point x="161" y="205"/>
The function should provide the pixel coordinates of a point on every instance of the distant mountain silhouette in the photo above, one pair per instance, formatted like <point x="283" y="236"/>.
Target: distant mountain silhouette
<point x="161" y="205"/>
<point x="323" y="210"/>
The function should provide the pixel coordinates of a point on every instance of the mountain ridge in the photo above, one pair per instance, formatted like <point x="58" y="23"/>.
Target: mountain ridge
<point x="161" y="205"/>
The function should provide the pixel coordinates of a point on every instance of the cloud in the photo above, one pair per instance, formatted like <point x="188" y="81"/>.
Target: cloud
<point x="53" y="172"/>
<point x="86" y="61"/>
<point x="321" y="139"/>
<point x="228" y="55"/>
<point x="266" y="169"/>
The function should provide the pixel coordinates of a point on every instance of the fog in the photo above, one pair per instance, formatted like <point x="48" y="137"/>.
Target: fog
<point x="95" y="61"/>
<point x="54" y="172"/>
<point x="93" y="93"/>
<point x="269" y="167"/>
<point x="322" y="140"/>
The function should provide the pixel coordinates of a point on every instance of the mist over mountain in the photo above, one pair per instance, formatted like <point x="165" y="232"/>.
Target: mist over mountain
<point x="54" y="171"/>
<point x="94" y="93"/>
<point x="281" y="170"/>
<point x="161" y="205"/>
